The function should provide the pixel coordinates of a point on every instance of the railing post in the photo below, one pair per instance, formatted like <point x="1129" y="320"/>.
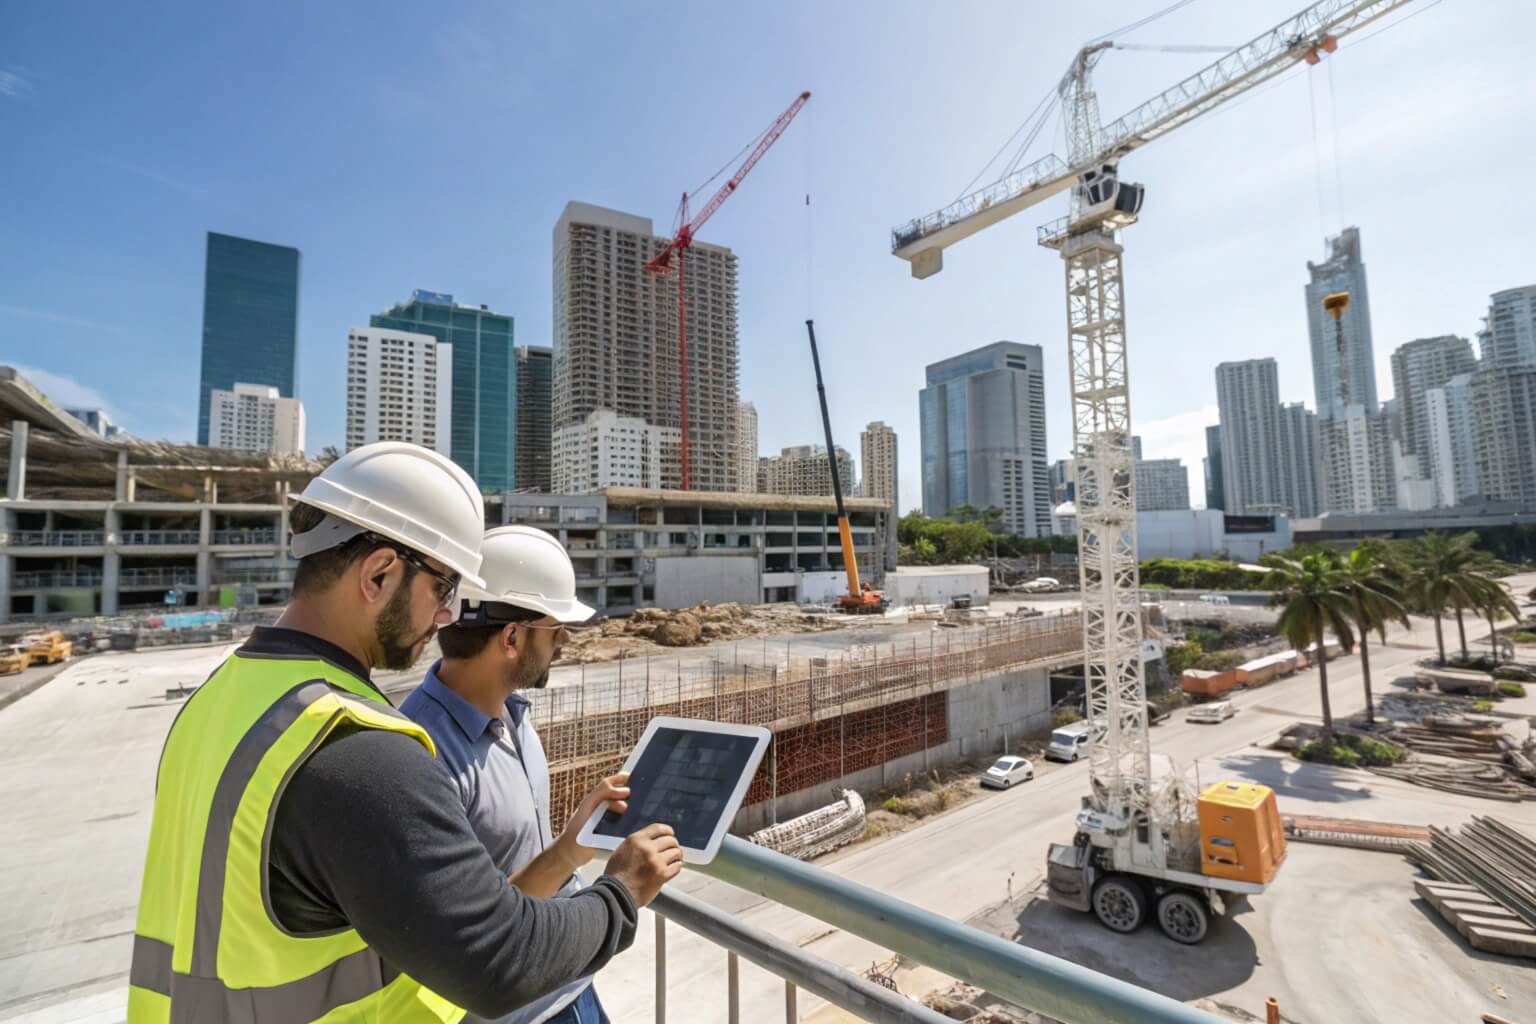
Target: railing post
<point x="791" y="1003"/>
<point x="732" y="988"/>
<point x="661" y="968"/>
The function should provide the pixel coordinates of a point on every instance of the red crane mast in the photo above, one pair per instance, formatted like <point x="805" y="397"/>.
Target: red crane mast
<point x="683" y="237"/>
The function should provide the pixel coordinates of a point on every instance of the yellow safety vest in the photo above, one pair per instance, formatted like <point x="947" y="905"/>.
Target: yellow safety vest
<point x="206" y="947"/>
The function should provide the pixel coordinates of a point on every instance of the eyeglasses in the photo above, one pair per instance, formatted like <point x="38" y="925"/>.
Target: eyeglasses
<point x="447" y="584"/>
<point x="559" y="626"/>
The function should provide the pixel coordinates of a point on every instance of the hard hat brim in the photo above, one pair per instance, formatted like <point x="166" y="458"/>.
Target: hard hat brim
<point x="338" y="501"/>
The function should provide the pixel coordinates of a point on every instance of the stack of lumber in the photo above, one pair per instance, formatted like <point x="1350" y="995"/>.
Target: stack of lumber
<point x="1483" y="760"/>
<point x="1485" y="883"/>
<point x="1465" y="778"/>
<point x="1386" y="836"/>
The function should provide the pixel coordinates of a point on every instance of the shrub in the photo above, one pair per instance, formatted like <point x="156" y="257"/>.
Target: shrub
<point x="1511" y="690"/>
<point x="1478" y="662"/>
<point x="1523" y="636"/>
<point x="1155" y="586"/>
<point x="872" y="829"/>
<point x="1182" y="656"/>
<point x="1482" y="705"/>
<point x="1208" y="639"/>
<point x="899" y="805"/>
<point x="1066" y="716"/>
<point x="1514" y="673"/>
<point x="1347" y="750"/>
<point x="1220" y="661"/>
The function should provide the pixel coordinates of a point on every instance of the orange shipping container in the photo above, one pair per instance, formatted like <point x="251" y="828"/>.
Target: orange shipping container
<point x="1208" y="684"/>
<point x="1241" y="835"/>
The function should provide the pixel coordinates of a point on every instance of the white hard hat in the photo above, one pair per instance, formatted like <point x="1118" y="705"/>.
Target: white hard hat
<point x="404" y="492"/>
<point x="527" y="568"/>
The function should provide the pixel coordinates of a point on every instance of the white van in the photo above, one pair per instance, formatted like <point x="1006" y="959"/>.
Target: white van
<point x="1068" y="743"/>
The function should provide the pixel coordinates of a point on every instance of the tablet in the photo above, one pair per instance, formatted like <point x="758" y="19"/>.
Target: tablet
<point x="686" y="773"/>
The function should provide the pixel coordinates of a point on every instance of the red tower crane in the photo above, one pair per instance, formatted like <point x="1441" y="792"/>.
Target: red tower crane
<point x="682" y="237"/>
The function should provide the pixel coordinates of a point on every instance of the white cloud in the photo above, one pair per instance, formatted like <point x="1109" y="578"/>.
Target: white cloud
<point x="1181" y="436"/>
<point x="12" y="84"/>
<point x="66" y="391"/>
<point x="55" y="318"/>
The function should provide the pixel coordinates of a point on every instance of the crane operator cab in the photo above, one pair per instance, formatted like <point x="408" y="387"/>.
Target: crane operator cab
<point x="1101" y="196"/>
<point x="1111" y="870"/>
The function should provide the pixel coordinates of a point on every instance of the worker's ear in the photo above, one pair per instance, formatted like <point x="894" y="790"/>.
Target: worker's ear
<point x="510" y="646"/>
<point x="373" y="571"/>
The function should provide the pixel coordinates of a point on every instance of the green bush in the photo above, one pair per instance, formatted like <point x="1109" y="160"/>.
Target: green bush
<point x="1066" y="716"/>
<point x="1155" y="586"/>
<point x="1182" y="656"/>
<point x="1199" y="574"/>
<point x="1511" y="690"/>
<point x="1514" y="673"/>
<point x="1478" y="662"/>
<point x="1346" y="750"/>
<point x="1482" y="705"/>
<point x="1220" y="661"/>
<point x="1208" y="639"/>
<point x="1523" y="636"/>
<point x="899" y="805"/>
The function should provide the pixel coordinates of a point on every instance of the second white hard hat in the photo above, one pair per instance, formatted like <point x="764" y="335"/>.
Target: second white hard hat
<point x="528" y="568"/>
<point x="409" y="494"/>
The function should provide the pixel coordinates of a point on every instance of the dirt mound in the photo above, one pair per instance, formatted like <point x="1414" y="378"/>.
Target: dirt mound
<point x="655" y="630"/>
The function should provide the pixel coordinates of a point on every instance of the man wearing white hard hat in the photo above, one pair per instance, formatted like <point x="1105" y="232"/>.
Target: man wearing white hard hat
<point x="309" y="857"/>
<point x="507" y="633"/>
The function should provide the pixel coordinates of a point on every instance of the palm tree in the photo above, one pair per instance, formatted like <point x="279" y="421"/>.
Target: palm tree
<point x="1441" y="576"/>
<point x="1311" y="593"/>
<point x="1496" y="603"/>
<point x="1368" y="580"/>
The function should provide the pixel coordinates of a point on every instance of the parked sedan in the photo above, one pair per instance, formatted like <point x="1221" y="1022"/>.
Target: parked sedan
<point x="1215" y="712"/>
<point x="1006" y="771"/>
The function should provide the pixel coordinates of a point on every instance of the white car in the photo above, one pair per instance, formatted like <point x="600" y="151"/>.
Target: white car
<point x="1213" y="713"/>
<point x="1005" y="771"/>
<point x="1068" y="743"/>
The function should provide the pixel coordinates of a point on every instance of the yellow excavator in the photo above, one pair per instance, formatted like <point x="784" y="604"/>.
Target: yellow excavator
<point x="861" y="599"/>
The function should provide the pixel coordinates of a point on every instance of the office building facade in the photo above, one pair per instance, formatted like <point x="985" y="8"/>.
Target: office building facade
<point x="616" y="339"/>
<point x="1452" y="442"/>
<point x="399" y="388"/>
<point x="1248" y="395"/>
<point x="1509" y="335"/>
<point x="877" y="451"/>
<point x="1215" y="496"/>
<point x="746" y="447"/>
<point x="1161" y="485"/>
<point x="983" y="436"/>
<point x="1417" y="368"/>
<point x="483" y="389"/>
<point x="1357" y="471"/>
<point x="802" y="471"/>
<point x="255" y="418"/>
<point x="1340" y="379"/>
<point x="535" y="366"/>
<point x="250" y="319"/>
<point x="1298" y="464"/>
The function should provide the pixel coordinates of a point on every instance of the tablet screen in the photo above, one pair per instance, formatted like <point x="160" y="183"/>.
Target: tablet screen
<point x="684" y="779"/>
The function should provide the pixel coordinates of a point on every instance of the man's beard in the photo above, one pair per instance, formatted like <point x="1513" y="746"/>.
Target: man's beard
<point x="531" y="677"/>
<point x="397" y="649"/>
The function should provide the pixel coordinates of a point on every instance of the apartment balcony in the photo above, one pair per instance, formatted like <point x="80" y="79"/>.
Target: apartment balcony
<point x="158" y="538"/>
<point x="53" y="538"/>
<point x="253" y="574"/>
<point x="256" y="536"/>
<point x="179" y="576"/>
<point x="49" y="579"/>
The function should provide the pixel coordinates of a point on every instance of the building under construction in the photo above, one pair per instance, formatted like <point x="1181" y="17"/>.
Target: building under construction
<point x="616" y="341"/>
<point x="98" y="526"/>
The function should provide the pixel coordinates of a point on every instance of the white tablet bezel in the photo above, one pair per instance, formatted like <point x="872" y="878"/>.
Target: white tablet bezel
<point x="590" y="838"/>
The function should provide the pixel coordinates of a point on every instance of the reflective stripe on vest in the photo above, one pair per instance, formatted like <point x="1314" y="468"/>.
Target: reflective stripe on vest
<point x="267" y="974"/>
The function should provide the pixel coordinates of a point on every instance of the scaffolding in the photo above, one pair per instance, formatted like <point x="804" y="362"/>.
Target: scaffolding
<point x="830" y="716"/>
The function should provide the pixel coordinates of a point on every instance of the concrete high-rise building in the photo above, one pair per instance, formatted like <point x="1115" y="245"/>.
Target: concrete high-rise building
<point x="97" y="420"/>
<point x="483" y="429"/>
<point x="1063" y="481"/>
<point x="1161" y="484"/>
<point x="1215" y="496"/>
<point x="1248" y="394"/>
<point x="535" y="394"/>
<point x="250" y="319"/>
<point x="1135" y="447"/>
<point x="1299" y="486"/>
<point x="746" y="447"/>
<point x="1509" y="337"/>
<point x="255" y="418"/>
<point x="802" y="471"/>
<point x="877" y="450"/>
<point x="1417" y="368"/>
<point x="1342" y="271"/>
<point x="609" y="450"/>
<point x="1504" y="422"/>
<point x="1357" y="467"/>
<point x="983" y="436"/>
<point x="616" y="338"/>
<point x="1452" y="441"/>
<point x="399" y="388"/>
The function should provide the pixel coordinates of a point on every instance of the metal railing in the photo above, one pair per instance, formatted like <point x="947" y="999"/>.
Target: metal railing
<point x="1037" y="981"/>
<point x="157" y="577"/>
<point x="245" y="536"/>
<point x="53" y="538"/>
<point x="159" y="537"/>
<point x="47" y="578"/>
<point x="263" y="574"/>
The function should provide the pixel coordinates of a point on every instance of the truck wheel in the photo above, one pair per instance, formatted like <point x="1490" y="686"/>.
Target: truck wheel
<point x="1183" y="917"/>
<point x="1119" y="904"/>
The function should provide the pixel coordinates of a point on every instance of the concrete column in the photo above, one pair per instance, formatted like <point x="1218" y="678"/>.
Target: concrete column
<point x="210" y="489"/>
<point x="282" y="522"/>
<point x="111" y="561"/>
<point x="7" y="564"/>
<point x="123" y="477"/>
<point x="204" y="558"/>
<point x="16" y="478"/>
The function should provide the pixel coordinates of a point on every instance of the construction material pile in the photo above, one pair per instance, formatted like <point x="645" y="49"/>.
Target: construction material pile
<point x="660" y="630"/>
<point x="1467" y="754"/>
<point x="1486" y="885"/>
<point x="816" y="832"/>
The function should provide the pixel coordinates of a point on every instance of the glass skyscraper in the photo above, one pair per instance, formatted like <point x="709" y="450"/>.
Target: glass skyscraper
<point x="250" y="318"/>
<point x="483" y="433"/>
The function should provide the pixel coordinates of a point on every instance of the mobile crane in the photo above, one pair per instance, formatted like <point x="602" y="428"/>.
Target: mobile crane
<point x="861" y="599"/>
<point x="1144" y="839"/>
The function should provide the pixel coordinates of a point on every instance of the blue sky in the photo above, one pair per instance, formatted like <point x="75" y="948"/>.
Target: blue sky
<point x="403" y="146"/>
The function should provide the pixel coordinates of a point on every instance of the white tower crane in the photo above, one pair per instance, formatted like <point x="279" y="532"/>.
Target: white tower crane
<point x="1141" y="838"/>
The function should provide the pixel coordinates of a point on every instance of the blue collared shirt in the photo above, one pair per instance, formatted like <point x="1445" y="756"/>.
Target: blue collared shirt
<point x="502" y="775"/>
